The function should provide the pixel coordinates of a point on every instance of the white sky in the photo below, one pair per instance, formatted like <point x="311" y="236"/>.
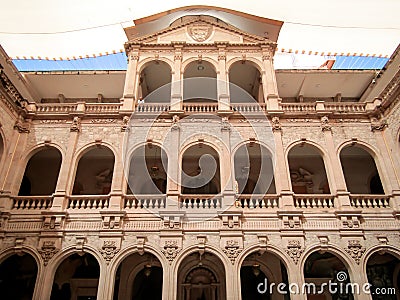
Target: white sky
<point x="59" y="15"/>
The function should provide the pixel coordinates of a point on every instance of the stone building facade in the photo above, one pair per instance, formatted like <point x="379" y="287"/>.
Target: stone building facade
<point x="106" y="197"/>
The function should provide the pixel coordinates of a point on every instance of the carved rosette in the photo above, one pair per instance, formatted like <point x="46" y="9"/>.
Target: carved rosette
<point x="170" y="249"/>
<point x="232" y="250"/>
<point x="109" y="250"/>
<point x="48" y="250"/>
<point x="355" y="250"/>
<point x="294" y="250"/>
<point x="276" y="124"/>
<point x="325" y="126"/>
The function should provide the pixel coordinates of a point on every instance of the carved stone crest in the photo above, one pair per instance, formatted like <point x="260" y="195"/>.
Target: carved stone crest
<point x="294" y="250"/>
<point x="355" y="250"/>
<point x="378" y="125"/>
<point x="200" y="32"/>
<point x="109" y="250"/>
<point x="325" y="124"/>
<point x="171" y="249"/>
<point x="48" y="250"/>
<point x="276" y="124"/>
<point x="232" y="250"/>
<point x="76" y="124"/>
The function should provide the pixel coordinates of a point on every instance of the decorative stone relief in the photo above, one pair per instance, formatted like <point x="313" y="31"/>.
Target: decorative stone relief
<point x="21" y="125"/>
<point x="200" y="32"/>
<point x="276" y="124"/>
<point x="125" y="124"/>
<point x="109" y="250"/>
<point x="355" y="250"/>
<point x="325" y="126"/>
<point x="232" y="250"/>
<point x="201" y="243"/>
<point x="170" y="249"/>
<point x="294" y="250"/>
<point x="225" y="124"/>
<point x="175" y="122"/>
<point x="48" y="250"/>
<point x="141" y="240"/>
<point x="76" y="124"/>
<point x="19" y="242"/>
<point x="378" y="125"/>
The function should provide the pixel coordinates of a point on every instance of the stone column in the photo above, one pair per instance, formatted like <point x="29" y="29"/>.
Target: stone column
<point x="222" y="79"/>
<point x="105" y="282"/>
<point x="226" y="167"/>
<point x="130" y="80"/>
<point x="296" y="277"/>
<point x="65" y="181"/>
<point x="338" y="186"/>
<point x="270" y="87"/>
<point x="176" y="79"/>
<point x="232" y="281"/>
<point x="169" y="284"/>
<point x="118" y="178"/>
<point x="173" y="144"/>
<point x="281" y="171"/>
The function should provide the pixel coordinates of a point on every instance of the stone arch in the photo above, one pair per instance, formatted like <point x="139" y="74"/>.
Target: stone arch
<point x="190" y="60"/>
<point x="19" y="273"/>
<point x="251" y="159"/>
<point x="309" y="168"/>
<point x="41" y="171"/>
<point x="154" y="85"/>
<point x="256" y="63"/>
<point x="363" y="159"/>
<point x="96" y="180"/>
<point x="200" y="275"/>
<point x="245" y="82"/>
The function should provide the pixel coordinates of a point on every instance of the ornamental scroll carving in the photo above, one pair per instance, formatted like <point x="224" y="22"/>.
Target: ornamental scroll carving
<point x="109" y="250"/>
<point x="48" y="250"/>
<point x="232" y="250"/>
<point x="355" y="250"/>
<point x="294" y="250"/>
<point x="170" y="249"/>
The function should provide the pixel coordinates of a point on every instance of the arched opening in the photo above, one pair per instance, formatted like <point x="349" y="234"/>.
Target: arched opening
<point x="320" y="269"/>
<point x="148" y="171"/>
<point x="360" y="171"/>
<point x="307" y="170"/>
<point x="18" y="277"/>
<point x="200" y="82"/>
<point x="201" y="277"/>
<point x="76" y="278"/>
<point x="245" y="80"/>
<point x="139" y="277"/>
<point x="94" y="172"/>
<point x="41" y="173"/>
<point x="200" y="171"/>
<point x="383" y="274"/>
<point x="254" y="172"/>
<point x="155" y="75"/>
<point x="266" y="269"/>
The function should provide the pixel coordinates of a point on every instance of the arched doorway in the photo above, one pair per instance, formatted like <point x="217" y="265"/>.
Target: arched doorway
<point x="360" y="172"/>
<point x="155" y="83"/>
<point x="321" y="268"/>
<point x="307" y="170"/>
<point x="94" y="172"/>
<point x="76" y="278"/>
<point x="254" y="172"/>
<point x="148" y="171"/>
<point x="139" y="277"/>
<point x="200" y="171"/>
<point x="264" y="268"/>
<point x="41" y="173"/>
<point x="18" y="277"/>
<point x="200" y="82"/>
<point x="245" y="80"/>
<point x="383" y="272"/>
<point x="201" y="277"/>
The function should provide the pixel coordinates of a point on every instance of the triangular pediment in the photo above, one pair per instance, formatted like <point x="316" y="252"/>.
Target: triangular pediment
<point x="199" y="29"/>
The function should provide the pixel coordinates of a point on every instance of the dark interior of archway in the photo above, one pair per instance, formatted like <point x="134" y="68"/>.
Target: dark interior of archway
<point x="325" y="266"/>
<point x="250" y="278"/>
<point x="41" y="173"/>
<point x="191" y="168"/>
<point x="148" y="284"/>
<point x="94" y="172"/>
<point x="18" y="277"/>
<point x="200" y="82"/>
<point x="244" y="83"/>
<point x="360" y="171"/>
<point x="254" y="171"/>
<point x="147" y="171"/>
<point x="383" y="273"/>
<point x="155" y="82"/>
<point x="77" y="274"/>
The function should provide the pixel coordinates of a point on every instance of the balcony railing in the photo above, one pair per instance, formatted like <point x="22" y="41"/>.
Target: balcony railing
<point x="313" y="201"/>
<point x="200" y="201"/>
<point x="145" y="201"/>
<point x="249" y="107"/>
<point x="32" y="202"/>
<point x="258" y="201"/>
<point x="56" y="108"/>
<point x="200" y="107"/>
<point x="152" y="107"/>
<point x="88" y="202"/>
<point x="370" y="201"/>
<point x="102" y="108"/>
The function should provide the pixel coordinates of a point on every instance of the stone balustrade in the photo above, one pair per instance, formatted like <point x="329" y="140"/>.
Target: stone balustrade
<point x="144" y="201"/>
<point x="369" y="201"/>
<point x="200" y="201"/>
<point x="152" y="107"/>
<point x="200" y="107"/>
<point x="258" y="201"/>
<point x="314" y="201"/>
<point x="32" y="202"/>
<point x="88" y="202"/>
<point x="249" y="107"/>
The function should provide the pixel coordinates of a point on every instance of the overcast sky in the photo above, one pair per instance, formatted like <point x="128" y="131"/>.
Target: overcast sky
<point x="377" y="22"/>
